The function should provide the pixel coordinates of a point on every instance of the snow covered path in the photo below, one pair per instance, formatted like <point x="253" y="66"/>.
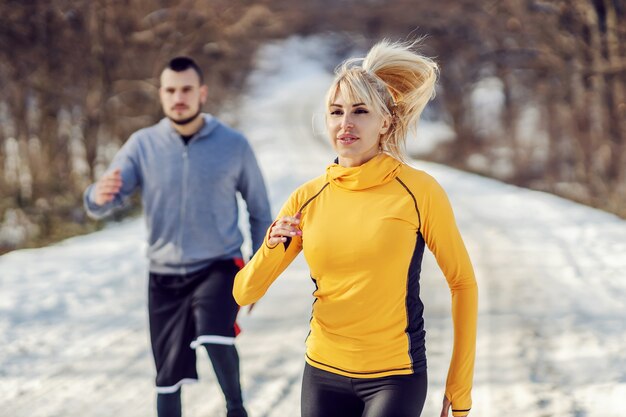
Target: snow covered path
<point x="552" y="281"/>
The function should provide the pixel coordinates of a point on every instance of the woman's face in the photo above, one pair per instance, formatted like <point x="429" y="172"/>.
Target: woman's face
<point x="354" y="130"/>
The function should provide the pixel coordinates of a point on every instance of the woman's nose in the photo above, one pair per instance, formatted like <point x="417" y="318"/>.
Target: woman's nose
<point x="346" y="121"/>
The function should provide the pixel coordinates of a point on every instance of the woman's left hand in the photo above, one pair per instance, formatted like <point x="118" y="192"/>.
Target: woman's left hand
<point x="446" y="407"/>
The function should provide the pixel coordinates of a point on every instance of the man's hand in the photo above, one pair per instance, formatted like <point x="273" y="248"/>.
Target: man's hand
<point x="107" y="187"/>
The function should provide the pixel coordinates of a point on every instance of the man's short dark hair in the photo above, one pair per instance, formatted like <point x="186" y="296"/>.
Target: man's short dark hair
<point x="183" y="63"/>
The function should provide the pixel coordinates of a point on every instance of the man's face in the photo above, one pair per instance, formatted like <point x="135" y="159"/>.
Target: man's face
<point x="181" y="95"/>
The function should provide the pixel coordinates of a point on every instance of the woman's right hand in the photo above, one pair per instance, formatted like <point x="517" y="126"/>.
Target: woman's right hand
<point x="283" y="228"/>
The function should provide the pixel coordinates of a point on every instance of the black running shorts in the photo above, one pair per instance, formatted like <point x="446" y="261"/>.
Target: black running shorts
<point x="186" y="311"/>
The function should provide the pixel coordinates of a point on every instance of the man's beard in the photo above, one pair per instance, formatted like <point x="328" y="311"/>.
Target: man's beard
<point x="187" y="120"/>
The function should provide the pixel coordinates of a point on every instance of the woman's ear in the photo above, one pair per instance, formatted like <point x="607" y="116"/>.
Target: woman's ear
<point x="386" y="125"/>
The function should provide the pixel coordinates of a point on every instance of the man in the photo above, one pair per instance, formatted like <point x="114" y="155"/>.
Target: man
<point x="189" y="167"/>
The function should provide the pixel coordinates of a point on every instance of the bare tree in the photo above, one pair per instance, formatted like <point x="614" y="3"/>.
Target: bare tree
<point x="79" y="76"/>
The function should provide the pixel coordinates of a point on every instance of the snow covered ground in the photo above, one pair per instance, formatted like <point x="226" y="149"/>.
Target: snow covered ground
<point x="551" y="274"/>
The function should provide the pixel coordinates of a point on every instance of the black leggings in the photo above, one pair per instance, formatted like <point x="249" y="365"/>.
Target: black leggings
<point x="325" y="394"/>
<point x="225" y="361"/>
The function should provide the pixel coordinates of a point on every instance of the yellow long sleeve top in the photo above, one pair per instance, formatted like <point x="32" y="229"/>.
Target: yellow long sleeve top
<point x="364" y="230"/>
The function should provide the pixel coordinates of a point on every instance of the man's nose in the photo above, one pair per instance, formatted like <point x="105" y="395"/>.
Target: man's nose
<point x="178" y="96"/>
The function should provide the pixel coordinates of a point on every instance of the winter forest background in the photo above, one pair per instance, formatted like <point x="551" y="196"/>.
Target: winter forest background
<point x="532" y="92"/>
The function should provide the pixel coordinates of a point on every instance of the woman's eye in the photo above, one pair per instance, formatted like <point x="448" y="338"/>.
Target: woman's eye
<point x="336" y="113"/>
<point x="361" y="111"/>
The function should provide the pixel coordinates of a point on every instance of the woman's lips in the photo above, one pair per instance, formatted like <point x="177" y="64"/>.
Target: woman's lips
<point x="347" y="139"/>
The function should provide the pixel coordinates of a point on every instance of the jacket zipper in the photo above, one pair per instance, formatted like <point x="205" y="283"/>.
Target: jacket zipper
<point x="183" y="205"/>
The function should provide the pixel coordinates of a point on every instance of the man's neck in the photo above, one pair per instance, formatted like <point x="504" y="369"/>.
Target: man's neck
<point x="190" y="128"/>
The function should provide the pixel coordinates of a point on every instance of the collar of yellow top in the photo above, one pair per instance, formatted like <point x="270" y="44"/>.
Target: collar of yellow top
<point x="377" y="171"/>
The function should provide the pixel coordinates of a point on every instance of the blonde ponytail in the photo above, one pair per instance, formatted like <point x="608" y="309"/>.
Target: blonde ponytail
<point x="396" y="81"/>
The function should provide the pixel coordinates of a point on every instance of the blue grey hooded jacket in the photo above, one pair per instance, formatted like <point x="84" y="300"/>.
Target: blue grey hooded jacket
<point x="189" y="193"/>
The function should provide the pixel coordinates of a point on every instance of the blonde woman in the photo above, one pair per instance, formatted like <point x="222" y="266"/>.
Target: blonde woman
<point x="363" y="226"/>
